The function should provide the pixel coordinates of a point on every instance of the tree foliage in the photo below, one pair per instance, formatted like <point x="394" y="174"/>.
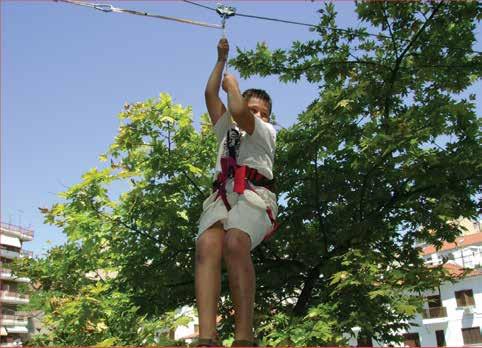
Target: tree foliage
<point x="387" y="155"/>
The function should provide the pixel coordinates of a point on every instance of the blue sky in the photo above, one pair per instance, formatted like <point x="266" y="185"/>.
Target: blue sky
<point x="66" y="72"/>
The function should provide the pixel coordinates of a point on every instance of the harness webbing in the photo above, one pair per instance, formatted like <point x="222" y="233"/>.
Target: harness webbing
<point x="244" y="179"/>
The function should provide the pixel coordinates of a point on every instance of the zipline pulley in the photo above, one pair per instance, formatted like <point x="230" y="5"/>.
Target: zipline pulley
<point x="225" y="12"/>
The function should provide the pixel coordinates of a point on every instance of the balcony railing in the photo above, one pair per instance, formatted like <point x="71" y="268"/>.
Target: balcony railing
<point x="6" y="293"/>
<point x="434" y="312"/>
<point x="8" y="254"/>
<point x="12" y="251"/>
<point x="6" y="274"/>
<point x="17" y="229"/>
<point x="10" y="317"/>
<point x="11" y="343"/>
<point x="10" y="248"/>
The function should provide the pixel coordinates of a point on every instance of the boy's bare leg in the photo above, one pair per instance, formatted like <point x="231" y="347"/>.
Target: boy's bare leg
<point x="242" y="282"/>
<point x="209" y="250"/>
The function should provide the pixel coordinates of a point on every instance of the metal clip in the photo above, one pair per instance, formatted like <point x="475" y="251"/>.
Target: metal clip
<point x="104" y="7"/>
<point x="225" y="11"/>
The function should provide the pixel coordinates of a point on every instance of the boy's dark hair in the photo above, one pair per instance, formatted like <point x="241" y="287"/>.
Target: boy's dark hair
<point x="260" y="94"/>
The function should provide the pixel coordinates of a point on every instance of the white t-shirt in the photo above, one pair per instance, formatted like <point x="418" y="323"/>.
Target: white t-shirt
<point x="255" y="151"/>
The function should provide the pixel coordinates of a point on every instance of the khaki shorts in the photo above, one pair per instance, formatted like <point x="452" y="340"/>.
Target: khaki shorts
<point x="248" y="212"/>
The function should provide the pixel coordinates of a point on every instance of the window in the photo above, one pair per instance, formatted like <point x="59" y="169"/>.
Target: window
<point x="472" y="335"/>
<point x="434" y="301"/>
<point x="465" y="298"/>
<point x="439" y="334"/>
<point x="411" y="340"/>
<point x="172" y="334"/>
<point x="435" y="308"/>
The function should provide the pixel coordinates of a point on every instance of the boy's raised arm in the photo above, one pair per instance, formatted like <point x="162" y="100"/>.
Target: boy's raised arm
<point x="238" y="106"/>
<point x="214" y="104"/>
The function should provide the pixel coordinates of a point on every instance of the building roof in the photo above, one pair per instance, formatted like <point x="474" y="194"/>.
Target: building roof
<point x="457" y="271"/>
<point x="466" y="240"/>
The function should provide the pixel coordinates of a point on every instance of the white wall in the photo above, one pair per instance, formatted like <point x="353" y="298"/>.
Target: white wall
<point x="456" y="319"/>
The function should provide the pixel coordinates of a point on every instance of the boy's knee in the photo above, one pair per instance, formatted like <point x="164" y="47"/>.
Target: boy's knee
<point x="208" y="247"/>
<point x="236" y="244"/>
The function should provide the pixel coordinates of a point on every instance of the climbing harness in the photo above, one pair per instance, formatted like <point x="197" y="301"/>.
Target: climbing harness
<point x="244" y="179"/>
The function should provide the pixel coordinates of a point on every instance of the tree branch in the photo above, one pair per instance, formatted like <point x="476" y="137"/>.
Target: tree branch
<point x="101" y="214"/>
<point x="375" y="165"/>
<point x="385" y="18"/>
<point x="304" y="298"/>
<point x="398" y="63"/>
<point x="318" y="203"/>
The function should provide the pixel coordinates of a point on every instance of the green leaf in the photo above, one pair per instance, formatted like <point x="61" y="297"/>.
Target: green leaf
<point x="108" y="342"/>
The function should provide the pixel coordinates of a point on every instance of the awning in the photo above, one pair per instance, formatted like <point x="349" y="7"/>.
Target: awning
<point x="11" y="241"/>
<point x="17" y="329"/>
<point x="3" y="332"/>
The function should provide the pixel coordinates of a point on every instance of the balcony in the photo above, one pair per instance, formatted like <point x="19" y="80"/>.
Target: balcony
<point x="10" y="252"/>
<point x="13" y="297"/>
<point x="434" y="315"/>
<point x="13" y="320"/>
<point x="6" y="274"/>
<point x="17" y="231"/>
<point x="434" y="312"/>
<point x="11" y="342"/>
<point x="16" y="329"/>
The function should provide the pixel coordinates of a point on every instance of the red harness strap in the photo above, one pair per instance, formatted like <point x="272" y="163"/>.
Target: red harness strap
<point x="273" y="222"/>
<point x="243" y="177"/>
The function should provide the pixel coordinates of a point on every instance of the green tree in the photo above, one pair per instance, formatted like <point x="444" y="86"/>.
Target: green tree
<point x="386" y="156"/>
<point x="127" y="264"/>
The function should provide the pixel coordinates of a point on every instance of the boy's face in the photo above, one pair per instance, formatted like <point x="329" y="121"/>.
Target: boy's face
<point x="259" y="108"/>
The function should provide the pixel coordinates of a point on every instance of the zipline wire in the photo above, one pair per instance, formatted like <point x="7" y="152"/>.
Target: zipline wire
<point x="204" y="6"/>
<point x="316" y="26"/>
<point x="110" y="8"/>
<point x="279" y="20"/>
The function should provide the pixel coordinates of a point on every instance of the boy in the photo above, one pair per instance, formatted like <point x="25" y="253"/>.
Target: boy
<point x="240" y="213"/>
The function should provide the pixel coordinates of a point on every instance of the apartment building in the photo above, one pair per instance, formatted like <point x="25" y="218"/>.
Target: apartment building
<point x="452" y="314"/>
<point x="13" y="323"/>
